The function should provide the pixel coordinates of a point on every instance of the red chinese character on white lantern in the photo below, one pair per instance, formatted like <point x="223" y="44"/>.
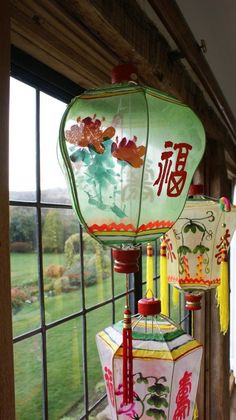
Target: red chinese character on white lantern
<point x="109" y="383"/>
<point x="169" y="248"/>
<point x="182" y="399"/>
<point x="223" y="244"/>
<point x="175" y="179"/>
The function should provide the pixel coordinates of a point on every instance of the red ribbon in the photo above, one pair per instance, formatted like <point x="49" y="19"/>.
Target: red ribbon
<point x="127" y="358"/>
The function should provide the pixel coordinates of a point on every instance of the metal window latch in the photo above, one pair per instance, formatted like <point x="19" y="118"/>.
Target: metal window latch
<point x="203" y="46"/>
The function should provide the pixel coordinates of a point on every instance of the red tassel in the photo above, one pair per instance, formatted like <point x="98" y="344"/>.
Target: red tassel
<point x="127" y="358"/>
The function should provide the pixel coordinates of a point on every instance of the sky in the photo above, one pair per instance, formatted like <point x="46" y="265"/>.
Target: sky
<point x="23" y="139"/>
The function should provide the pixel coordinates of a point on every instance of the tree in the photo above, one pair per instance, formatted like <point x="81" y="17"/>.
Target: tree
<point x="71" y="249"/>
<point x="97" y="263"/>
<point x="70" y="222"/>
<point x="22" y="224"/>
<point x="53" y="232"/>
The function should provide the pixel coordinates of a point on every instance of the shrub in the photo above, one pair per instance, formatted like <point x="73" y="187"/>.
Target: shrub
<point x="89" y="279"/>
<point x="55" y="270"/>
<point x="26" y="282"/>
<point x="73" y="273"/>
<point x="33" y="291"/>
<point x="48" y="286"/>
<point x="96" y="261"/>
<point x="21" y="247"/>
<point x="57" y="286"/>
<point x="18" y="297"/>
<point x="71" y="249"/>
<point x="68" y="418"/>
<point x="63" y="285"/>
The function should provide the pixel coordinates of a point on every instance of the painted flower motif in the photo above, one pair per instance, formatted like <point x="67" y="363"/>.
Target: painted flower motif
<point x="128" y="151"/>
<point x="88" y="132"/>
<point x="127" y="409"/>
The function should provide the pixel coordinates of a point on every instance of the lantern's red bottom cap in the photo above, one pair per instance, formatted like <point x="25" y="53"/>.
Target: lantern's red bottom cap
<point x="196" y="189"/>
<point x="193" y="302"/>
<point x="126" y="260"/>
<point x="149" y="307"/>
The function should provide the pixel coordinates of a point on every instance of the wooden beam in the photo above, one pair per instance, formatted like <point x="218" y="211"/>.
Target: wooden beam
<point x="125" y="29"/>
<point x="45" y="31"/>
<point x="7" y="401"/>
<point x="84" y="40"/>
<point x="171" y="16"/>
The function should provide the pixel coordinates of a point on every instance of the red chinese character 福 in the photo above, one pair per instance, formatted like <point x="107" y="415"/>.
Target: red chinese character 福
<point x="174" y="178"/>
<point x="182" y="399"/>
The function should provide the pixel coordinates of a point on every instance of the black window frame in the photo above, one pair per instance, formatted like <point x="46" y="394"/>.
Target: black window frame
<point x="43" y="79"/>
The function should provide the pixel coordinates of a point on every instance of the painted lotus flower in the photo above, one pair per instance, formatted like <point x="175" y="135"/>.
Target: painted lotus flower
<point x="88" y="132"/>
<point x="152" y="400"/>
<point x="127" y="409"/>
<point x="128" y="151"/>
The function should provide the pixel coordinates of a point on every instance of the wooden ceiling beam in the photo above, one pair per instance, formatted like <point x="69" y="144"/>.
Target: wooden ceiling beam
<point x="84" y="40"/>
<point x="124" y="29"/>
<point x="45" y="31"/>
<point x="172" y="18"/>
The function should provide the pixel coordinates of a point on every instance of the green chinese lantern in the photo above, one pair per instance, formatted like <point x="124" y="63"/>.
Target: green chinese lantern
<point x="129" y="153"/>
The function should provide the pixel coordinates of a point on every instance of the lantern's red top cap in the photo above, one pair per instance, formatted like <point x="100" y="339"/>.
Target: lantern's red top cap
<point x="124" y="73"/>
<point x="148" y="307"/>
<point x="196" y="189"/>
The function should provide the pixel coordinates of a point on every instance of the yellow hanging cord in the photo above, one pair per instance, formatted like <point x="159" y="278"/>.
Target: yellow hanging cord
<point x="164" y="292"/>
<point x="223" y="293"/>
<point x="149" y="272"/>
<point x="175" y="296"/>
<point x="195" y="412"/>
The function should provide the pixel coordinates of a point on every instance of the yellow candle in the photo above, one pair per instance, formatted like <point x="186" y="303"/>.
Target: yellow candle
<point x="175" y="296"/>
<point x="164" y="291"/>
<point x="149" y="272"/>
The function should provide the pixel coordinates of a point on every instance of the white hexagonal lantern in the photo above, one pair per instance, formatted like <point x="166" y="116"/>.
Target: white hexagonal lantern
<point x="166" y="366"/>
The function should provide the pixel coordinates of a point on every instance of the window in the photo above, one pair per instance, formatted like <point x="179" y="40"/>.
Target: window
<point x="64" y="289"/>
<point x="62" y="293"/>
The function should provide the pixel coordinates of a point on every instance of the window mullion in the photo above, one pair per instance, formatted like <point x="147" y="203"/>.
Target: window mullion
<point x="113" y="290"/>
<point x="84" y="325"/>
<point x="40" y="262"/>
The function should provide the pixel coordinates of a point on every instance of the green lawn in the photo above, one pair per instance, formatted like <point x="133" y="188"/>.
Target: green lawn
<point x="24" y="266"/>
<point x="64" y="345"/>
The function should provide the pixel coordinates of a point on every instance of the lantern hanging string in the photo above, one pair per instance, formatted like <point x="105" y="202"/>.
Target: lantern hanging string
<point x="184" y="318"/>
<point x="127" y="353"/>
